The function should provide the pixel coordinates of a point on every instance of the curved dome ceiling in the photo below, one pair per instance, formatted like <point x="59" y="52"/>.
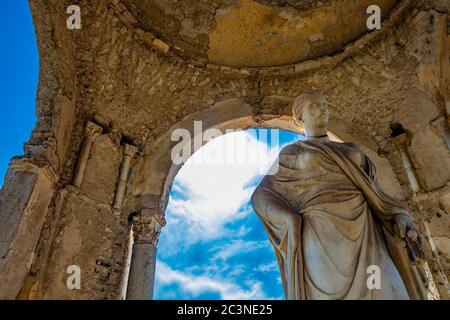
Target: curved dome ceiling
<point x="250" y="33"/>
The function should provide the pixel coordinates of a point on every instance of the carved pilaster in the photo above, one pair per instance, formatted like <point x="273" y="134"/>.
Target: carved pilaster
<point x="91" y="132"/>
<point x="128" y="153"/>
<point x="441" y="127"/>
<point x="400" y="142"/>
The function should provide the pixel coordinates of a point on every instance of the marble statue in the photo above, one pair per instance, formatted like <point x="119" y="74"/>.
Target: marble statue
<point x="330" y="222"/>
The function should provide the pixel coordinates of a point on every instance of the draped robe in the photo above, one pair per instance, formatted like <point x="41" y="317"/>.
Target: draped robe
<point x="328" y="221"/>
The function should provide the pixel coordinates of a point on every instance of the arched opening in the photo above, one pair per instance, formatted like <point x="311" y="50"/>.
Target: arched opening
<point x="214" y="246"/>
<point x="153" y="178"/>
<point x="159" y="171"/>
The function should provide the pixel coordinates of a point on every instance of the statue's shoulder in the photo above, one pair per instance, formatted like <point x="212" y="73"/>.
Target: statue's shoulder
<point x="292" y="148"/>
<point x="354" y="152"/>
<point x="350" y="146"/>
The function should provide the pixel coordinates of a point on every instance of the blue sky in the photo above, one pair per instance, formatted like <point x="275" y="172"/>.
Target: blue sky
<point x="18" y="79"/>
<point x="214" y="246"/>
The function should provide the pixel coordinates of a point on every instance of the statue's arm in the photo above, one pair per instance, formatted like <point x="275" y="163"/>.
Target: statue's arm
<point x="271" y="206"/>
<point x="268" y="202"/>
<point x="403" y="222"/>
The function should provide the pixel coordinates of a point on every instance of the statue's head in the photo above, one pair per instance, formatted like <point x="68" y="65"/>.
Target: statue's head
<point x="312" y="108"/>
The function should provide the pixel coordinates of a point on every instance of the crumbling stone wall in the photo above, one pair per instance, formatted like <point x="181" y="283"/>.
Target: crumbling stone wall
<point x="133" y="81"/>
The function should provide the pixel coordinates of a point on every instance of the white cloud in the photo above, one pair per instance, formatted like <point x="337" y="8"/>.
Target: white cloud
<point x="196" y="285"/>
<point x="217" y="190"/>
<point x="207" y="197"/>
<point x="268" y="267"/>
<point x="228" y="250"/>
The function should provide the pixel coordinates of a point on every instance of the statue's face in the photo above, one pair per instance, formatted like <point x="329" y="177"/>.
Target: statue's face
<point x="315" y="113"/>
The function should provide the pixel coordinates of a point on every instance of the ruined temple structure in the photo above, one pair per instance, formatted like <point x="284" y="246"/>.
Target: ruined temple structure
<point x="91" y="188"/>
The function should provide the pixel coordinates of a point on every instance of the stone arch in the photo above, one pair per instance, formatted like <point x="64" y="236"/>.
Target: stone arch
<point x="158" y="171"/>
<point x="150" y="195"/>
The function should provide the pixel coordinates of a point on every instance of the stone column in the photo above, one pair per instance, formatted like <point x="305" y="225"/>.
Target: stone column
<point x="400" y="142"/>
<point x="91" y="132"/>
<point x="441" y="126"/>
<point x="146" y="229"/>
<point x="24" y="199"/>
<point x="442" y="278"/>
<point x="128" y="153"/>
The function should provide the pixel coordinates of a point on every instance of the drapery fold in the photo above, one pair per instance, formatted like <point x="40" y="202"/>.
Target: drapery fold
<point x="329" y="221"/>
